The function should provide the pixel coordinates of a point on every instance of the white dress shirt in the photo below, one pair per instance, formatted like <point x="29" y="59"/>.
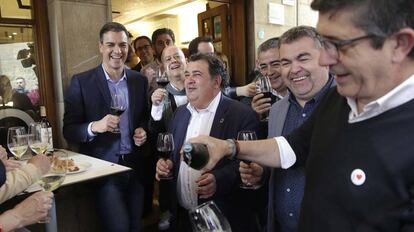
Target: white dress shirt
<point x="401" y="94"/>
<point x="200" y="124"/>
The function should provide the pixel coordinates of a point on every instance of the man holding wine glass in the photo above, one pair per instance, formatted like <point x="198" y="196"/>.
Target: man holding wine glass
<point x="268" y="63"/>
<point x="165" y="101"/>
<point x="307" y="82"/>
<point x="90" y="121"/>
<point x="209" y="112"/>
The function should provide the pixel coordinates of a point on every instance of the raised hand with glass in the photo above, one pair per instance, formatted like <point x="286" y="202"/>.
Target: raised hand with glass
<point x="244" y="136"/>
<point x="118" y="106"/>
<point x="265" y="87"/>
<point x="165" y="145"/>
<point x="56" y="175"/>
<point x="17" y="141"/>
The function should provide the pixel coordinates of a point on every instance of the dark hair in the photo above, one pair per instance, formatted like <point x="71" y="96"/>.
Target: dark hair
<point x="268" y="44"/>
<point x="193" y="46"/>
<point x="111" y="26"/>
<point x="141" y="37"/>
<point x="215" y="66"/>
<point x="162" y="31"/>
<point x="299" y="32"/>
<point x="381" y="18"/>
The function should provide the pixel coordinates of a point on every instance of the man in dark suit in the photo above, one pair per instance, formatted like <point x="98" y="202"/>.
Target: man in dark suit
<point x="89" y="122"/>
<point x="209" y="113"/>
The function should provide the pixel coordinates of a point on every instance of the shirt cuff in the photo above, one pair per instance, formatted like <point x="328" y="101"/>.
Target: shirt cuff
<point x="90" y="133"/>
<point x="287" y="155"/>
<point x="156" y="112"/>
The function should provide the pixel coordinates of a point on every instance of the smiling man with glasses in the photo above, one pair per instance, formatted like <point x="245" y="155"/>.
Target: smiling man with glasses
<point x="144" y="51"/>
<point x="356" y="147"/>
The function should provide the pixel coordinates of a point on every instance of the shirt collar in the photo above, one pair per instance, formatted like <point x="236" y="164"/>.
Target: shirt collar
<point x="212" y="107"/>
<point x="394" y="98"/>
<point x="124" y="77"/>
<point x="318" y="95"/>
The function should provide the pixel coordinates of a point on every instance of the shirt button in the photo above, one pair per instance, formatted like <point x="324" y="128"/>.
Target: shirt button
<point x="290" y="214"/>
<point x="288" y="190"/>
<point x="303" y="115"/>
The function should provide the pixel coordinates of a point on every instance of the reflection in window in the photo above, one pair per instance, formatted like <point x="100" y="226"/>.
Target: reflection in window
<point x="18" y="80"/>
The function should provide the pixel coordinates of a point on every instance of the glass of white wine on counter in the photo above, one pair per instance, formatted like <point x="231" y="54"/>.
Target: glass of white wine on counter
<point x="39" y="138"/>
<point x="17" y="141"/>
<point x="56" y="175"/>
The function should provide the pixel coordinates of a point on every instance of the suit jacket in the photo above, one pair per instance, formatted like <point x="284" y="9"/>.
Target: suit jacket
<point x="88" y="99"/>
<point x="278" y="112"/>
<point x="230" y="118"/>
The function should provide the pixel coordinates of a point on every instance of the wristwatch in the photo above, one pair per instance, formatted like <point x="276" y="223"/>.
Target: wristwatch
<point x="234" y="148"/>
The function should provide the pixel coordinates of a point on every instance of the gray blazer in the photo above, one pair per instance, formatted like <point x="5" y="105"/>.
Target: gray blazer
<point x="277" y="118"/>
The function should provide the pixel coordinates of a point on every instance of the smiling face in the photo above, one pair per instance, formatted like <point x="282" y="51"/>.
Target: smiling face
<point x="144" y="51"/>
<point x="174" y="62"/>
<point x="200" y="87"/>
<point x="361" y="72"/>
<point x="301" y="71"/>
<point x="114" y="50"/>
<point x="268" y="63"/>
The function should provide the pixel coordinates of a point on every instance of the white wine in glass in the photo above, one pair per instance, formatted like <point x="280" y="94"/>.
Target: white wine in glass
<point x="39" y="138"/>
<point x="17" y="141"/>
<point x="56" y="175"/>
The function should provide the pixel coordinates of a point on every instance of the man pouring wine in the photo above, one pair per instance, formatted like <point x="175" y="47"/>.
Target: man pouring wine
<point x="208" y="112"/>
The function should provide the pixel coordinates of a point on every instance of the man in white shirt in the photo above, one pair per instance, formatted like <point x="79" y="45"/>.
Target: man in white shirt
<point x="359" y="168"/>
<point x="209" y="112"/>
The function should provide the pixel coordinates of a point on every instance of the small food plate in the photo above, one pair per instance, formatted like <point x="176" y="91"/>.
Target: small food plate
<point x="82" y="165"/>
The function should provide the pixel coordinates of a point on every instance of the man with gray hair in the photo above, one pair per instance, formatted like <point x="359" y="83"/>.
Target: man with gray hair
<point x="357" y="145"/>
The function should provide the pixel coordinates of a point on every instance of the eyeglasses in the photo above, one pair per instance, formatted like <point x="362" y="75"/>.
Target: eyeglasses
<point x="332" y="46"/>
<point x="145" y="47"/>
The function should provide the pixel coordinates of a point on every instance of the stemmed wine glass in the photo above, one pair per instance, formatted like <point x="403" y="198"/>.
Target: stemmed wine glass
<point x="17" y="141"/>
<point x="247" y="135"/>
<point x="118" y="106"/>
<point x="39" y="138"/>
<point x="56" y="175"/>
<point x="208" y="217"/>
<point x="162" y="78"/>
<point x="162" y="81"/>
<point x="265" y="87"/>
<point x="165" y="145"/>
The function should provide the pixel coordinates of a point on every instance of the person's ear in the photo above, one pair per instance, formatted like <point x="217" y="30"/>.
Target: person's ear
<point x="403" y="45"/>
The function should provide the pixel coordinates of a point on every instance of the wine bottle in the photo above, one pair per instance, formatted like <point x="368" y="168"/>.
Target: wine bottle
<point x="46" y="124"/>
<point x="195" y="155"/>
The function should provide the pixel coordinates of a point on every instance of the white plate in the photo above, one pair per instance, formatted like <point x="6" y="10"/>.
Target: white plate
<point x="83" y="166"/>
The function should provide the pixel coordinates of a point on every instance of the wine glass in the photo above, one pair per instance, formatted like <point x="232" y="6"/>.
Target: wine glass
<point x="56" y="175"/>
<point x="17" y="141"/>
<point x="165" y="145"/>
<point x="265" y="87"/>
<point x="39" y="138"/>
<point x="244" y="136"/>
<point x="208" y="217"/>
<point x="162" y="81"/>
<point x="162" y="78"/>
<point x="118" y="106"/>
